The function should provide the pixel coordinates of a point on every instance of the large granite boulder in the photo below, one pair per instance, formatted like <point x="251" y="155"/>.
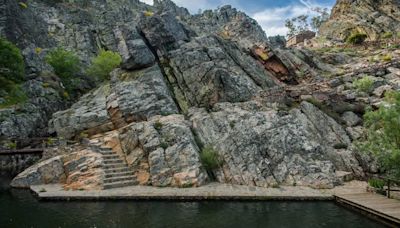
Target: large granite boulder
<point x="135" y="53"/>
<point x="231" y="24"/>
<point x="208" y="70"/>
<point x="371" y="17"/>
<point x="80" y="170"/>
<point x="264" y="147"/>
<point x="163" y="152"/>
<point x="130" y="96"/>
<point x="50" y="171"/>
<point x="30" y="118"/>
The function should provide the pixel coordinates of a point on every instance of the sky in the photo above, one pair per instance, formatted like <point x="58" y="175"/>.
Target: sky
<point x="270" y="14"/>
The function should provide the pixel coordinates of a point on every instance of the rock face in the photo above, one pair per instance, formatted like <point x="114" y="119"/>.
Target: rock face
<point x="46" y="172"/>
<point x="163" y="152"/>
<point x="78" y="170"/>
<point x="131" y="96"/>
<point x="263" y="147"/>
<point x="212" y="75"/>
<point x="208" y="70"/>
<point x="371" y="17"/>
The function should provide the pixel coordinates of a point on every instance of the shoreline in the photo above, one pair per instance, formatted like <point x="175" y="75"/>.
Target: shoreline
<point x="210" y="192"/>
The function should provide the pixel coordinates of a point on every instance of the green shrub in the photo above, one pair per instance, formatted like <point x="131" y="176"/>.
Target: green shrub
<point x="387" y="58"/>
<point x="65" y="63"/>
<point x="387" y="35"/>
<point x="12" y="65"/>
<point x="158" y="125"/>
<point x="14" y="94"/>
<point x="383" y="134"/>
<point x="339" y="146"/>
<point x="210" y="158"/>
<point x="356" y="38"/>
<point x="23" y="5"/>
<point x="364" y="84"/>
<point x="103" y="64"/>
<point x="164" y="145"/>
<point x="376" y="183"/>
<point x="12" y="145"/>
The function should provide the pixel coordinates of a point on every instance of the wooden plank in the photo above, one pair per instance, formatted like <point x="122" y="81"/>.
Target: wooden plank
<point x="375" y="204"/>
<point x="22" y="151"/>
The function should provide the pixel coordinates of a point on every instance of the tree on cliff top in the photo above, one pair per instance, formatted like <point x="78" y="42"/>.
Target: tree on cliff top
<point x="301" y="23"/>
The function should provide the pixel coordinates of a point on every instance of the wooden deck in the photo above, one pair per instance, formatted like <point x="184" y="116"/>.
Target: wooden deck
<point x="379" y="206"/>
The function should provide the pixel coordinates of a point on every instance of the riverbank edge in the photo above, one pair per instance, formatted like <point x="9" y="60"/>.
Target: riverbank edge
<point x="211" y="192"/>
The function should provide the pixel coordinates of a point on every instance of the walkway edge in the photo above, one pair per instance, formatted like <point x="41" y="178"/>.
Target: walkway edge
<point x="232" y="193"/>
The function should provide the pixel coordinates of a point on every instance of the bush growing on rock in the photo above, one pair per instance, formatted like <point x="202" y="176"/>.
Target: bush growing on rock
<point x="65" y="63"/>
<point x="11" y="93"/>
<point x="12" y="73"/>
<point x="383" y="134"/>
<point x="387" y="35"/>
<point x="387" y="58"/>
<point x="364" y="84"/>
<point x="103" y="64"/>
<point x="12" y="66"/>
<point x="210" y="158"/>
<point x="356" y="38"/>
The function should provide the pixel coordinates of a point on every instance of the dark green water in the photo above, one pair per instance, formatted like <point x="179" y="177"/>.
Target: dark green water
<point x="19" y="209"/>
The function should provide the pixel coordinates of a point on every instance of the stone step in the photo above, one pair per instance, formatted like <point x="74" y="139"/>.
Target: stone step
<point x="110" y="156"/>
<point x="107" y="153"/>
<point x="119" y="184"/>
<point x="117" y="170"/>
<point x="345" y="176"/>
<point x="118" y="179"/>
<point x="113" y="161"/>
<point x="118" y="174"/>
<point x="114" y="166"/>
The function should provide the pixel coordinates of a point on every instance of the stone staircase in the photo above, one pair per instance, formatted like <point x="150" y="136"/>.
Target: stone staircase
<point x="117" y="173"/>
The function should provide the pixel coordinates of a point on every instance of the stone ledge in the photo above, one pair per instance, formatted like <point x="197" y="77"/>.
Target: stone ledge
<point x="213" y="191"/>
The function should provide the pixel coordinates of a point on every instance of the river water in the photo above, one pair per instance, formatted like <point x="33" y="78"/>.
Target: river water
<point x="18" y="208"/>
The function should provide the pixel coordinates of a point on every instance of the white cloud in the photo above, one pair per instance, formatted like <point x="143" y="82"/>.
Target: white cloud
<point x="150" y="2"/>
<point x="272" y="20"/>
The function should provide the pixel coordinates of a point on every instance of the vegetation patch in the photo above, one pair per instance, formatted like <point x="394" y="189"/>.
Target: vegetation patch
<point x="383" y="134"/>
<point x="66" y="65"/>
<point x="210" y="158"/>
<point x="387" y="35"/>
<point x="158" y="125"/>
<point x="339" y="146"/>
<point x="103" y="64"/>
<point x="364" y="84"/>
<point x="12" y="74"/>
<point x="376" y="183"/>
<point x="387" y="58"/>
<point x="148" y="13"/>
<point x="12" y="65"/>
<point x="23" y="5"/>
<point x="356" y="38"/>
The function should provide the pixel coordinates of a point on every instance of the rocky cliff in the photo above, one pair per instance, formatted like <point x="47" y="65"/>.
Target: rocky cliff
<point x="187" y="83"/>
<point x="371" y="17"/>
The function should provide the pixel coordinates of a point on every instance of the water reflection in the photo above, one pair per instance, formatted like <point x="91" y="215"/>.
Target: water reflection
<point x="19" y="209"/>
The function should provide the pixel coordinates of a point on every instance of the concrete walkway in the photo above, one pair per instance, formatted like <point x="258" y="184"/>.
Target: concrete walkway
<point x="213" y="191"/>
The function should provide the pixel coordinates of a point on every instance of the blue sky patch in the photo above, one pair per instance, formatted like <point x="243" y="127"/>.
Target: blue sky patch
<point x="270" y="14"/>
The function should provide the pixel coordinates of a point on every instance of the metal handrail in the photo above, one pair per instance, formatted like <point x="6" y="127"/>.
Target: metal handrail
<point x="22" y="151"/>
